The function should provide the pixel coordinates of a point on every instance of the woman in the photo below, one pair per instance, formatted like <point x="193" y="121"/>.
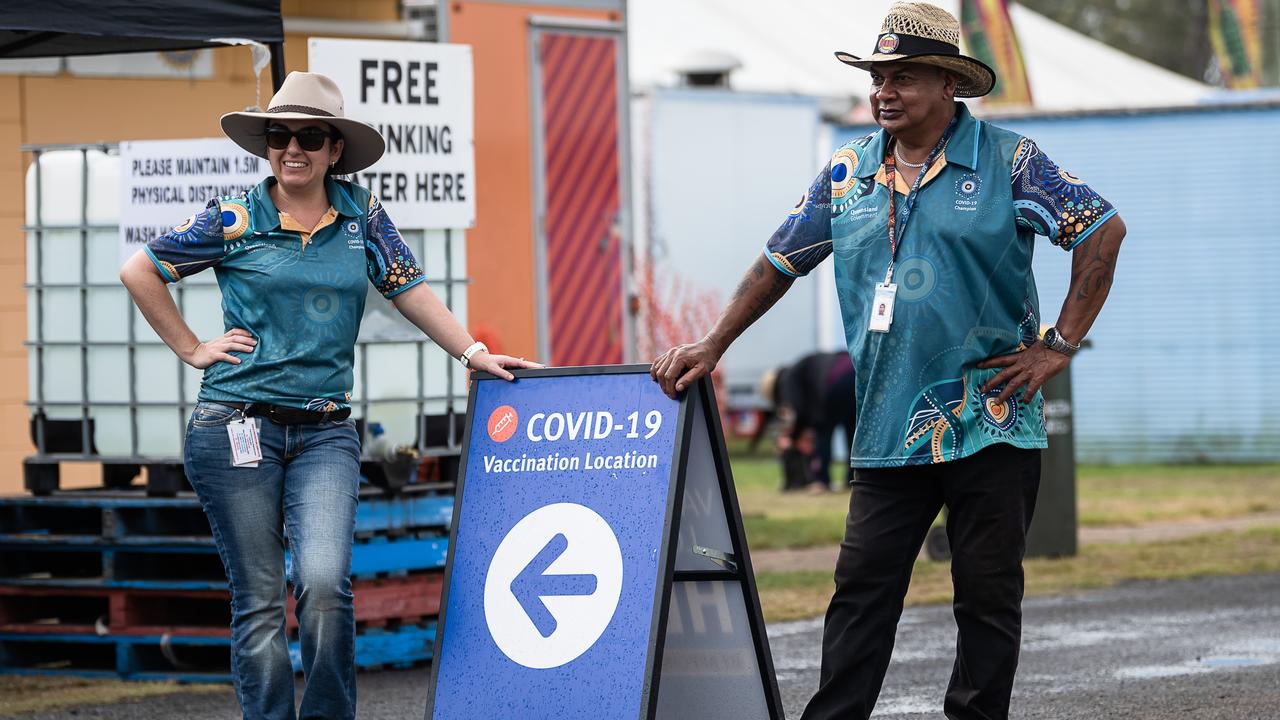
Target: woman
<point x="292" y="256"/>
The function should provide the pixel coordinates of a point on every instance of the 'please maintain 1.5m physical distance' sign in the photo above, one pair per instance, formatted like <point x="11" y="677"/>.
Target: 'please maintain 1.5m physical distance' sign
<point x="164" y="181"/>
<point x="557" y="554"/>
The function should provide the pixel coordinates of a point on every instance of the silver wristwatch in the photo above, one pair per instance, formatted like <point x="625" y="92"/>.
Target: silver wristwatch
<point x="1055" y="342"/>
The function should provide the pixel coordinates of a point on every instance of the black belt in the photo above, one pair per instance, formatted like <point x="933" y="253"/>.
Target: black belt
<point x="287" y="415"/>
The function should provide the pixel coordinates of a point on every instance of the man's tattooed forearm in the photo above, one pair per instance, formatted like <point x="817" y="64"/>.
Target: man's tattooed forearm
<point x="757" y="271"/>
<point x="760" y="288"/>
<point x="777" y="289"/>
<point x="1094" y="266"/>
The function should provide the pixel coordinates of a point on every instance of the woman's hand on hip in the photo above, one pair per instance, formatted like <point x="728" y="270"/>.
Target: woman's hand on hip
<point x="496" y="364"/>
<point x="220" y="348"/>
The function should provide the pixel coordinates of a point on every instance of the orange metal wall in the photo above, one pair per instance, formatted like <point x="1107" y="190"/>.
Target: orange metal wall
<point x="500" y="250"/>
<point x="13" y="301"/>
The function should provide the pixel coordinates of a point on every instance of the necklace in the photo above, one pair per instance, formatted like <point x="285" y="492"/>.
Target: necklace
<point x="913" y="166"/>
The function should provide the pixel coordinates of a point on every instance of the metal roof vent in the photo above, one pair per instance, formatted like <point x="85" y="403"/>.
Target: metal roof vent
<point x="707" y="68"/>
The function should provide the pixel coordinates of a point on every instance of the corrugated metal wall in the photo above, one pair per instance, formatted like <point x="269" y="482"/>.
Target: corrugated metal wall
<point x="1186" y="353"/>
<point x="580" y="172"/>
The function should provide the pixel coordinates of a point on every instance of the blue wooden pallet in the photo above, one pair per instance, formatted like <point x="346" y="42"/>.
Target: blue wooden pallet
<point x="189" y="566"/>
<point x="182" y="658"/>
<point x="377" y="648"/>
<point x="122" y="518"/>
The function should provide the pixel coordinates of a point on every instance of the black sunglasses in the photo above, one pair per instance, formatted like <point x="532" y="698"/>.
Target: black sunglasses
<point x="309" y="138"/>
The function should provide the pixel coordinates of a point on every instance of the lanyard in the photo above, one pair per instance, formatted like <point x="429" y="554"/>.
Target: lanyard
<point x="890" y="172"/>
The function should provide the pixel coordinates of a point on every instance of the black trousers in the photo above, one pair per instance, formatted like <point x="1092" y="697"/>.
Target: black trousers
<point x="990" y="497"/>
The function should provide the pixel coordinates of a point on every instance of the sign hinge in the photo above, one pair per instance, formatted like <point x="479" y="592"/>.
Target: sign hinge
<point x="726" y="560"/>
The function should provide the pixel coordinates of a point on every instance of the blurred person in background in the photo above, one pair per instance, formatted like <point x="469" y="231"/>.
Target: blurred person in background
<point x="809" y="400"/>
<point x="932" y="222"/>
<point x="293" y="257"/>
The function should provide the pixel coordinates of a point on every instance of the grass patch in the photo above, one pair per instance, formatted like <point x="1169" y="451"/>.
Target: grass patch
<point x="1107" y="496"/>
<point x="775" y="519"/>
<point x="1132" y="495"/>
<point x="805" y="594"/>
<point x="35" y="693"/>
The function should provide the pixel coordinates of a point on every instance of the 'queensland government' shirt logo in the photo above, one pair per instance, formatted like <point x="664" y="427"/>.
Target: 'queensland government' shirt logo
<point x="968" y="186"/>
<point x="863" y="213"/>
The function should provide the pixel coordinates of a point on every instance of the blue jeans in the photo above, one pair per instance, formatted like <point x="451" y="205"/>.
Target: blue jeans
<point x="305" y="489"/>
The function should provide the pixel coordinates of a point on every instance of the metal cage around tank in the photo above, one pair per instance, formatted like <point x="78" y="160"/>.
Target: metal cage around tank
<point x="104" y="388"/>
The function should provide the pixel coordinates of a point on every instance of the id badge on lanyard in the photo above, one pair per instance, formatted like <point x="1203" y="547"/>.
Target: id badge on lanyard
<point x="886" y="292"/>
<point x="882" y="307"/>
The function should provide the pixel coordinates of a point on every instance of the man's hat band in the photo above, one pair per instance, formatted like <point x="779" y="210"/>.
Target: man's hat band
<point x="902" y="44"/>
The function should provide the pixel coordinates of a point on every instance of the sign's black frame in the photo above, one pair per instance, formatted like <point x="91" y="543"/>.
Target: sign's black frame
<point x="703" y="394"/>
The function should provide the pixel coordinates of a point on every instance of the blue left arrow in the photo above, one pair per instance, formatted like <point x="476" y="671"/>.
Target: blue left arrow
<point x="533" y="584"/>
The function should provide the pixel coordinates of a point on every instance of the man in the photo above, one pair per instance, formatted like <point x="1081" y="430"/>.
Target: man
<point x="947" y="388"/>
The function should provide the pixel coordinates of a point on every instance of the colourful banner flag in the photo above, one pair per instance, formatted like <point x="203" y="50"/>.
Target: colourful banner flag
<point x="1235" y="29"/>
<point x="989" y="36"/>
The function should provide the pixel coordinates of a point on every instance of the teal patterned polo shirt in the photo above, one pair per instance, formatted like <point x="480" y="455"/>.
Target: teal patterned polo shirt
<point x="965" y="288"/>
<point x="301" y="293"/>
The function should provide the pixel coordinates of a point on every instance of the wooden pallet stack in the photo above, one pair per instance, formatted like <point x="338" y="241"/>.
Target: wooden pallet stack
<point x="118" y="584"/>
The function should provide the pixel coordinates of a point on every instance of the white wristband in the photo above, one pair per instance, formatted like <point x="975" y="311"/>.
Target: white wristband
<point x="467" y="354"/>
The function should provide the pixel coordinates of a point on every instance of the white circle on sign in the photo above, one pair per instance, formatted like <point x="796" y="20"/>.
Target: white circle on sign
<point x="553" y="585"/>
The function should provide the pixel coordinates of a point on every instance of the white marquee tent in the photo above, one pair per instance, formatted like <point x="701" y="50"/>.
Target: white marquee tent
<point x="786" y="47"/>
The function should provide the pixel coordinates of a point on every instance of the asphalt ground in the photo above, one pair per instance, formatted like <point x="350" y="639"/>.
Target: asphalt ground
<point x="1206" y="649"/>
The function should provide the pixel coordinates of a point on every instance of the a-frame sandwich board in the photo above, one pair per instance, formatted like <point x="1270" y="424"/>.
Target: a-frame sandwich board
<point x="597" y="563"/>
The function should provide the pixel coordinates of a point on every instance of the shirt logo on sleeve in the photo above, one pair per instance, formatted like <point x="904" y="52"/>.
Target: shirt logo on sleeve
<point x="842" y="168"/>
<point x="235" y="220"/>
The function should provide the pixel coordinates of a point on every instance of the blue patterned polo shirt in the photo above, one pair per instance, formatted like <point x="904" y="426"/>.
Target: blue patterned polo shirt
<point x="300" y="293"/>
<point x="965" y="288"/>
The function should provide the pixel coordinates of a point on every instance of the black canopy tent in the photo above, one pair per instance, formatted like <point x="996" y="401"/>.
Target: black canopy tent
<point x="40" y="28"/>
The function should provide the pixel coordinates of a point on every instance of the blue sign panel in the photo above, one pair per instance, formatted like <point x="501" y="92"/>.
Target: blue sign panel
<point x="558" y="549"/>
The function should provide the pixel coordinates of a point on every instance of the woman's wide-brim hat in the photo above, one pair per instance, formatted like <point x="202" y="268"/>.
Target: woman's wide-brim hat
<point x="308" y="96"/>
<point x="922" y="33"/>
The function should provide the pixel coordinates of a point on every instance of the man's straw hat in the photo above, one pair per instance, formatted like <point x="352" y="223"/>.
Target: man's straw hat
<point x="308" y="96"/>
<point x="922" y="33"/>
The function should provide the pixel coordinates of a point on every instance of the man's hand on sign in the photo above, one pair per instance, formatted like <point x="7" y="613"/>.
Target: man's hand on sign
<point x="681" y="366"/>
<point x="220" y="348"/>
<point x="495" y="364"/>
<point x="1032" y="368"/>
<point x="762" y="286"/>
